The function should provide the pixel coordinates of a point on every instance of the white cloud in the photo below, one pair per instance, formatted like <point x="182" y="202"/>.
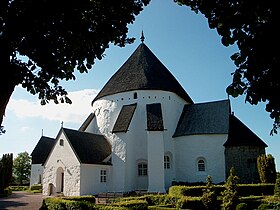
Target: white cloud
<point x="75" y="112"/>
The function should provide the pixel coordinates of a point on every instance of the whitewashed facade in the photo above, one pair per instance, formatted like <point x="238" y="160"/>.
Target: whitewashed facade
<point x="145" y="133"/>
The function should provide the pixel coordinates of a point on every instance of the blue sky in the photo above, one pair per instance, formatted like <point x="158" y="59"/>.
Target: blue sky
<point x="182" y="41"/>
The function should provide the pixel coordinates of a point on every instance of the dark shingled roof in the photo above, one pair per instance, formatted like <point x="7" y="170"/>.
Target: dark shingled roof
<point x="42" y="150"/>
<point x="89" y="148"/>
<point x="124" y="118"/>
<point x="143" y="71"/>
<point x="204" y="118"/>
<point x="154" y="117"/>
<point x="240" y="135"/>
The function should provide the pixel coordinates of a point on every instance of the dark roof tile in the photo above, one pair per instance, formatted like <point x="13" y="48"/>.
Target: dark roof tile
<point x="42" y="149"/>
<point x="154" y="117"/>
<point x="143" y="71"/>
<point x="124" y="118"/>
<point x="240" y="135"/>
<point x="89" y="148"/>
<point x="204" y="118"/>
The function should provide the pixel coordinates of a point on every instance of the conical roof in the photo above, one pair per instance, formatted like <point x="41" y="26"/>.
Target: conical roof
<point x="143" y="71"/>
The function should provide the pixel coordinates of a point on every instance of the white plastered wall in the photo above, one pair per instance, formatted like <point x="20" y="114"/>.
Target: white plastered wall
<point x="62" y="159"/>
<point x="130" y="147"/>
<point x="208" y="147"/>
<point x="36" y="174"/>
<point x="90" y="179"/>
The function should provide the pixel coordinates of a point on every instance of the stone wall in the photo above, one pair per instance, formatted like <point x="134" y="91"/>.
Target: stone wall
<point x="244" y="161"/>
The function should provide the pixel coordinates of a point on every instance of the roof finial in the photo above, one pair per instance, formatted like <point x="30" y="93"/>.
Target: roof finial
<point x="142" y="38"/>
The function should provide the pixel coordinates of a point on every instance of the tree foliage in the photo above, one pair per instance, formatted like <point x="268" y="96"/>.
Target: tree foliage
<point x="22" y="167"/>
<point x="252" y="26"/>
<point x="230" y="197"/>
<point x="6" y="167"/>
<point x="57" y="40"/>
<point x="266" y="168"/>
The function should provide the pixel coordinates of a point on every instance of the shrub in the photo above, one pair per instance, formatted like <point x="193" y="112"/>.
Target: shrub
<point x="53" y="204"/>
<point x="19" y="188"/>
<point x="230" y="197"/>
<point x="186" y="190"/>
<point x="66" y="204"/>
<point x="242" y="206"/>
<point x="266" y="168"/>
<point x="133" y="204"/>
<point x="186" y="202"/>
<point x="277" y="187"/>
<point x="273" y="201"/>
<point x="36" y="187"/>
<point x="89" y="198"/>
<point x="6" y="192"/>
<point x="209" y="197"/>
<point x="252" y="201"/>
<point x="264" y="206"/>
<point x="255" y="189"/>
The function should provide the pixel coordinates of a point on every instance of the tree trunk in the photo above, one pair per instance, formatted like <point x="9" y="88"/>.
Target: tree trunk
<point x="5" y="95"/>
<point x="7" y="79"/>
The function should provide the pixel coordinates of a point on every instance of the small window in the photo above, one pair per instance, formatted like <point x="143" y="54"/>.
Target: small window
<point x="135" y="95"/>
<point x="166" y="162"/>
<point x="61" y="142"/>
<point x="103" y="176"/>
<point x="201" y="165"/>
<point x="142" y="169"/>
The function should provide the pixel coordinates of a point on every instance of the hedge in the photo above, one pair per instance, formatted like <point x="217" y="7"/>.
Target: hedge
<point x="190" y="203"/>
<point x="255" y="189"/>
<point x="242" y="190"/>
<point x="85" y="203"/>
<point x="132" y="204"/>
<point x="36" y="187"/>
<point x="89" y="198"/>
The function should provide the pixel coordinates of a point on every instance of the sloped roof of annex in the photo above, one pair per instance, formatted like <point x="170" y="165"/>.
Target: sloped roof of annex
<point x="240" y="135"/>
<point x="216" y="118"/>
<point x="89" y="148"/>
<point x="42" y="149"/>
<point x="204" y="118"/>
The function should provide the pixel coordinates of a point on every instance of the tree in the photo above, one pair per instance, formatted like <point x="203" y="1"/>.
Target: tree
<point x="266" y="168"/>
<point x="6" y="167"/>
<point x="230" y="197"/>
<point x="252" y="26"/>
<point x="209" y="197"/>
<point x="57" y="40"/>
<point x="22" y="167"/>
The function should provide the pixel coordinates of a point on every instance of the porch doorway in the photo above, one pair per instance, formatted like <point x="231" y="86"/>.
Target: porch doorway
<point x="60" y="180"/>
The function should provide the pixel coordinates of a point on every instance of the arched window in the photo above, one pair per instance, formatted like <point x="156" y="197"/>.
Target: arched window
<point x="201" y="165"/>
<point x="142" y="169"/>
<point x="167" y="162"/>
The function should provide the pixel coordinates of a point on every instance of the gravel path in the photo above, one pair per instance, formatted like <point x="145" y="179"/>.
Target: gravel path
<point x="21" y="201"/>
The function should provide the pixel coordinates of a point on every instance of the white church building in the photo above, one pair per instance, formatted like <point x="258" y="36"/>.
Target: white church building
<point x="146" y="133"/>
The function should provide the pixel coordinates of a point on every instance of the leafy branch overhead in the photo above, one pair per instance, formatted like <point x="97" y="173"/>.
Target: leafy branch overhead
<point x="251" y="25"/>
<point x="56" y="40"/>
